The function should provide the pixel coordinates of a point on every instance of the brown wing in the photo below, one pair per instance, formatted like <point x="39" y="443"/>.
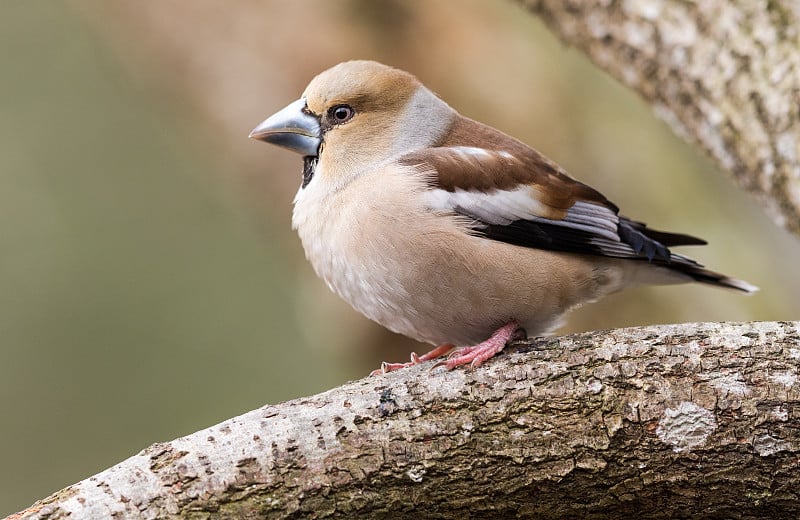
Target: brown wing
<point x="503" y="164"/>
<point x="517" y="195"/>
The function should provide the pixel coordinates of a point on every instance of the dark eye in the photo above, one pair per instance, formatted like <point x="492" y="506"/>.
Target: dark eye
<point x="341" y="114"/>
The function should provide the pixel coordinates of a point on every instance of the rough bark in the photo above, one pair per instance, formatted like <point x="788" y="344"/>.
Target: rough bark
<point x="725" y="75"/>
<point x="662" y="422"/>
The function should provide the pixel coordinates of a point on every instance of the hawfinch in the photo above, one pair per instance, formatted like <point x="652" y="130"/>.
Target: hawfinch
<point x="448" y="231"/>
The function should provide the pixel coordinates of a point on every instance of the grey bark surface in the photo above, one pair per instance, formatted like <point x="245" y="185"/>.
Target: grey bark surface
<point x="668" y="421"/>
<point x="724" y="74"/>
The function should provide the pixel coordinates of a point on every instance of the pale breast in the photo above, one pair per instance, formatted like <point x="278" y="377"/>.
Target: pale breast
<point x="350" y="237"/>
<point x="421" y="274"/>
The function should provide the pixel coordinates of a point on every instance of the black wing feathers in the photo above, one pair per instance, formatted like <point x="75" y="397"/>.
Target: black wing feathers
<point x="636" y="241"/>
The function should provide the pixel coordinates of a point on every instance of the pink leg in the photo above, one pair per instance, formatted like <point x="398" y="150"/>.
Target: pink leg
<point x="479" y="353"/>
<point x="439" y="351"/>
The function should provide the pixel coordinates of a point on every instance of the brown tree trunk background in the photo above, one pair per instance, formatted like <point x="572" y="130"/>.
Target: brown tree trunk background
<point x="664" y="421"/>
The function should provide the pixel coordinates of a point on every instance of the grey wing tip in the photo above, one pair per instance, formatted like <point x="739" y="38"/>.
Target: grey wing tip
<point x="739" y="285"/>
<point x="710" y="277"/>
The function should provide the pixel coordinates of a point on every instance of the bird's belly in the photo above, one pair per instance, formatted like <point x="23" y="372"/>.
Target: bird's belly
<point x="434" y="286"/>
<point x="409" y="298"/>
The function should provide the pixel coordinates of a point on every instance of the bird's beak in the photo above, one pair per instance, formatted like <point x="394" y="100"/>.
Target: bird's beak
<point x="293" y="128"/>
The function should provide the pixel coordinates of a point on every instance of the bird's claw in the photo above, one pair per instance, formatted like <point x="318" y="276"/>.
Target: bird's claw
<point x="415" y="360"/>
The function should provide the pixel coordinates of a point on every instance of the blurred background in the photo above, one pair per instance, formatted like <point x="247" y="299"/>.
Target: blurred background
<point x="150" y="284"/>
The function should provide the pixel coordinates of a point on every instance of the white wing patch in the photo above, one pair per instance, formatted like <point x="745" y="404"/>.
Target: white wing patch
<point x="499" y="207"/>
<point x="472" y="151"/>
<point x="502" y="207"/>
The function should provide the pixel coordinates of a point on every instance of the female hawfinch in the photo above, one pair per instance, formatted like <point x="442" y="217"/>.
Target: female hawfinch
<point x="447" y="230"/>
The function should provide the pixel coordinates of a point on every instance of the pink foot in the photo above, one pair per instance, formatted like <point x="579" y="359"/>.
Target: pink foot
<point x="479" y="353"/>
<point x="439" y="351"/>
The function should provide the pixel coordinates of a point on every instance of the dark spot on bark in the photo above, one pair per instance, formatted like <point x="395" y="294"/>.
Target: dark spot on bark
<point x="387" y="404"/>
<point x="247" y="462"/>
<point x="164" y="456"/>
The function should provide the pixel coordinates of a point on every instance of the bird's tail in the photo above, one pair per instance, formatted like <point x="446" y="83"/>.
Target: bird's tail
<point x="682" y="269"/>
<point x="700" y="274"/>
<point x="653" y="246"/>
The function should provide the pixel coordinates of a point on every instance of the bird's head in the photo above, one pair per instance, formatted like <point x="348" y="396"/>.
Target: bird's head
<point x="355" y="115"/>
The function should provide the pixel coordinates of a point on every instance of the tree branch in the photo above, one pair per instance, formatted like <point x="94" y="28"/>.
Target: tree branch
<point x="661" y="421"/>
<point x="725" y="75"/>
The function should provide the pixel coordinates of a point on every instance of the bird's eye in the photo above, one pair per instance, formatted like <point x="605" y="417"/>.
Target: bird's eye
<point x="341" y="114"/>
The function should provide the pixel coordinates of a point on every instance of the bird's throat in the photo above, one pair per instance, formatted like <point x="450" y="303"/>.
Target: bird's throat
<point x="309" y="166"/>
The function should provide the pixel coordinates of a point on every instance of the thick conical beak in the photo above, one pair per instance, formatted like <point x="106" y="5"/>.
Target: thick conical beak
<point x="292" y="128"/>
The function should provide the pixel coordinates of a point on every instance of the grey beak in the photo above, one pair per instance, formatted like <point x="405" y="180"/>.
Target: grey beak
<point x="291" y="128"/>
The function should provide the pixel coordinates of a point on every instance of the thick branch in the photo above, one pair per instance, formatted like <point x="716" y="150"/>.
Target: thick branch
<point x="662" y="421"/>
<point x="724" y="74"/>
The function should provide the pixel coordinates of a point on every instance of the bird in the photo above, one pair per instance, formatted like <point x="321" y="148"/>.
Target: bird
<point x="447" y="230"/>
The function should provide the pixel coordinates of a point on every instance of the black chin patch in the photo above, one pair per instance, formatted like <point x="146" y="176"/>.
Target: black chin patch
<point x="309" y="165"/>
